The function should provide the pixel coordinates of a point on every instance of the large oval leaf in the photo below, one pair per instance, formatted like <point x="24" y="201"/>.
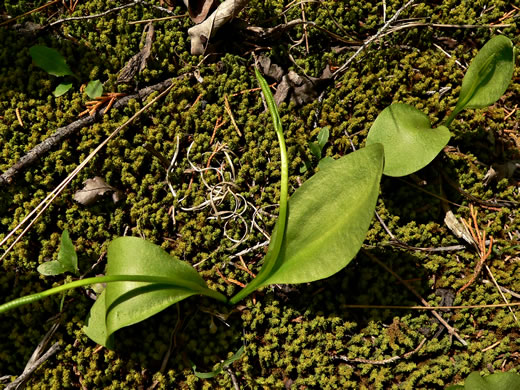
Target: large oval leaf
<point x="410" y="142"/>
<point x="50" y="60"/>
<point x="328" y="219"/>
<point x="127" y="303"/>
<point x="488" y="75"/>
<point x="496" y="381"/>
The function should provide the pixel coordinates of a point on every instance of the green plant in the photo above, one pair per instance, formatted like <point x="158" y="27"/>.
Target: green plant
<point x="311" y="240"/>
<point x="54" y="63"/>
<point x="316" y="149"/>
<point x="406" y="133"/>
<point x="497" y="381"/>
<point x="67" y="259"/>
<point x="224" y="364"/>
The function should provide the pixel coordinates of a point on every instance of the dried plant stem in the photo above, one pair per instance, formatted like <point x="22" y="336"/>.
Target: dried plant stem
<point x="501" y="293"/>
<point x="404" y="307"/>
<point x="48" y="200"/>
<point x="29" y="370"/>
<point x="385" y="361"/>
<point x="448" y="327"/>
<point x="29" y="12"/>
<point x="112" y="10"/>
<point x="63" y="132"/>
<point x="344" y="67"/>
<point x="480" y="240"/>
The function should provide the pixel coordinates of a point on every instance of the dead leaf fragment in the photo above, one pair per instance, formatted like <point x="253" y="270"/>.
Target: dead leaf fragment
<point x="199" y="9"/>
<point x="94" y="189"/>
<point x="269" y="69"/>
<point x="201" y="33"/>
<point x="500" y="171"/>
<point x="137" y="63"/>
<point x="458" y="228"/>
<point x="298" y="88"/>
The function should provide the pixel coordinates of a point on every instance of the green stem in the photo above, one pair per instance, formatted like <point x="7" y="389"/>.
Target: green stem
<point x="278" y="234"/>
<point x="108" y="279"/>
<point x="450" y="119"/>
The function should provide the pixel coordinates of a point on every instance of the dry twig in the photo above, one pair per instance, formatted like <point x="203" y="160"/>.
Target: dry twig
<point x="480" y="239"/>
<point x="448" y="327"/>
<point x="168" y="85"/>
<point x="381" y="362"/>
<point x="344" y="67"/>
<point x="63" y="132"/>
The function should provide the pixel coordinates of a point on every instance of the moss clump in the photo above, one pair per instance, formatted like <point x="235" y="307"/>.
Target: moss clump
<point x="294" y="334"/>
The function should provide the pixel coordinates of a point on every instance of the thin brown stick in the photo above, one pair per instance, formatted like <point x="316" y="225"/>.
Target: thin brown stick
<point x="29" y="370"/>
<point x="505" y="290"/>
<point x="63" y="132"/>
<point x="480" y="240"/>
<point x="305" y="28"/>
<point x="48" y="200"/>
<point x="492" y="346"/>
<point x="159" y="19"/>
<point x="500" y="291"/>
<point x="381" y="362"/>
<point x="440" y="25"/>
<point x="448" y="327"/>
<point x="18" y="116"/>
<point x="101" y="14"/>
<point x="404" y="307"/>
<point x="344" y="67"/>
<point x="230" y="113"/>
<point x="29" y="12"/>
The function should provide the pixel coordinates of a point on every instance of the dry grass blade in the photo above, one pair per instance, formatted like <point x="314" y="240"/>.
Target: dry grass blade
<point x="49" y="199"/>
<point x="480" y="240"/>
<point x="451" y="330"/>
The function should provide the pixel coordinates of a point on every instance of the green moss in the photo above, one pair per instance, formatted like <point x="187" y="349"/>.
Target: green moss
<point x="291" y="335"/>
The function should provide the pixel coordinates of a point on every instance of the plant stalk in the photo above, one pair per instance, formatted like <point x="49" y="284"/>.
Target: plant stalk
<point x="109" y="279"/>
<point x="279" y="233"/>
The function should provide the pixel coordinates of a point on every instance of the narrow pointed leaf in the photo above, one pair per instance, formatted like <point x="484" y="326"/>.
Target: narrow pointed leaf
<point x="323" y="137"/>
<point x="50" y="60"/>
<point x="67" y="255"/>
<point x="62" y="89"/>
<point x="488" y="75"/>
<point x="127" y="303"/>
<point x="277" y="237"/>
<point x="327" y="222"/>
<point x="410" y="142"/>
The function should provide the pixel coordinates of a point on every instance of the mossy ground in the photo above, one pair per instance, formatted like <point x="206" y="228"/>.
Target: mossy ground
<point x="291" y="335"/>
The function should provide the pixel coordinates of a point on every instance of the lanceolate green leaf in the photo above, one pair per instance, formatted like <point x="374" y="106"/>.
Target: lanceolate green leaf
<point x="127" y="303"/>
<point x="487" y="77"/>
<point x="327" y="222"/>
<point x="50" y="60"/>
<point x="277" y="237"/>
<point x="67" y="254"/>
<point x="67" y="259"/>
<point x="410" y="142"/>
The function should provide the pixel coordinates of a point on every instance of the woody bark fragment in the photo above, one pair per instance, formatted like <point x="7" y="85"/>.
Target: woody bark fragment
<point x="201" y="33"/>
